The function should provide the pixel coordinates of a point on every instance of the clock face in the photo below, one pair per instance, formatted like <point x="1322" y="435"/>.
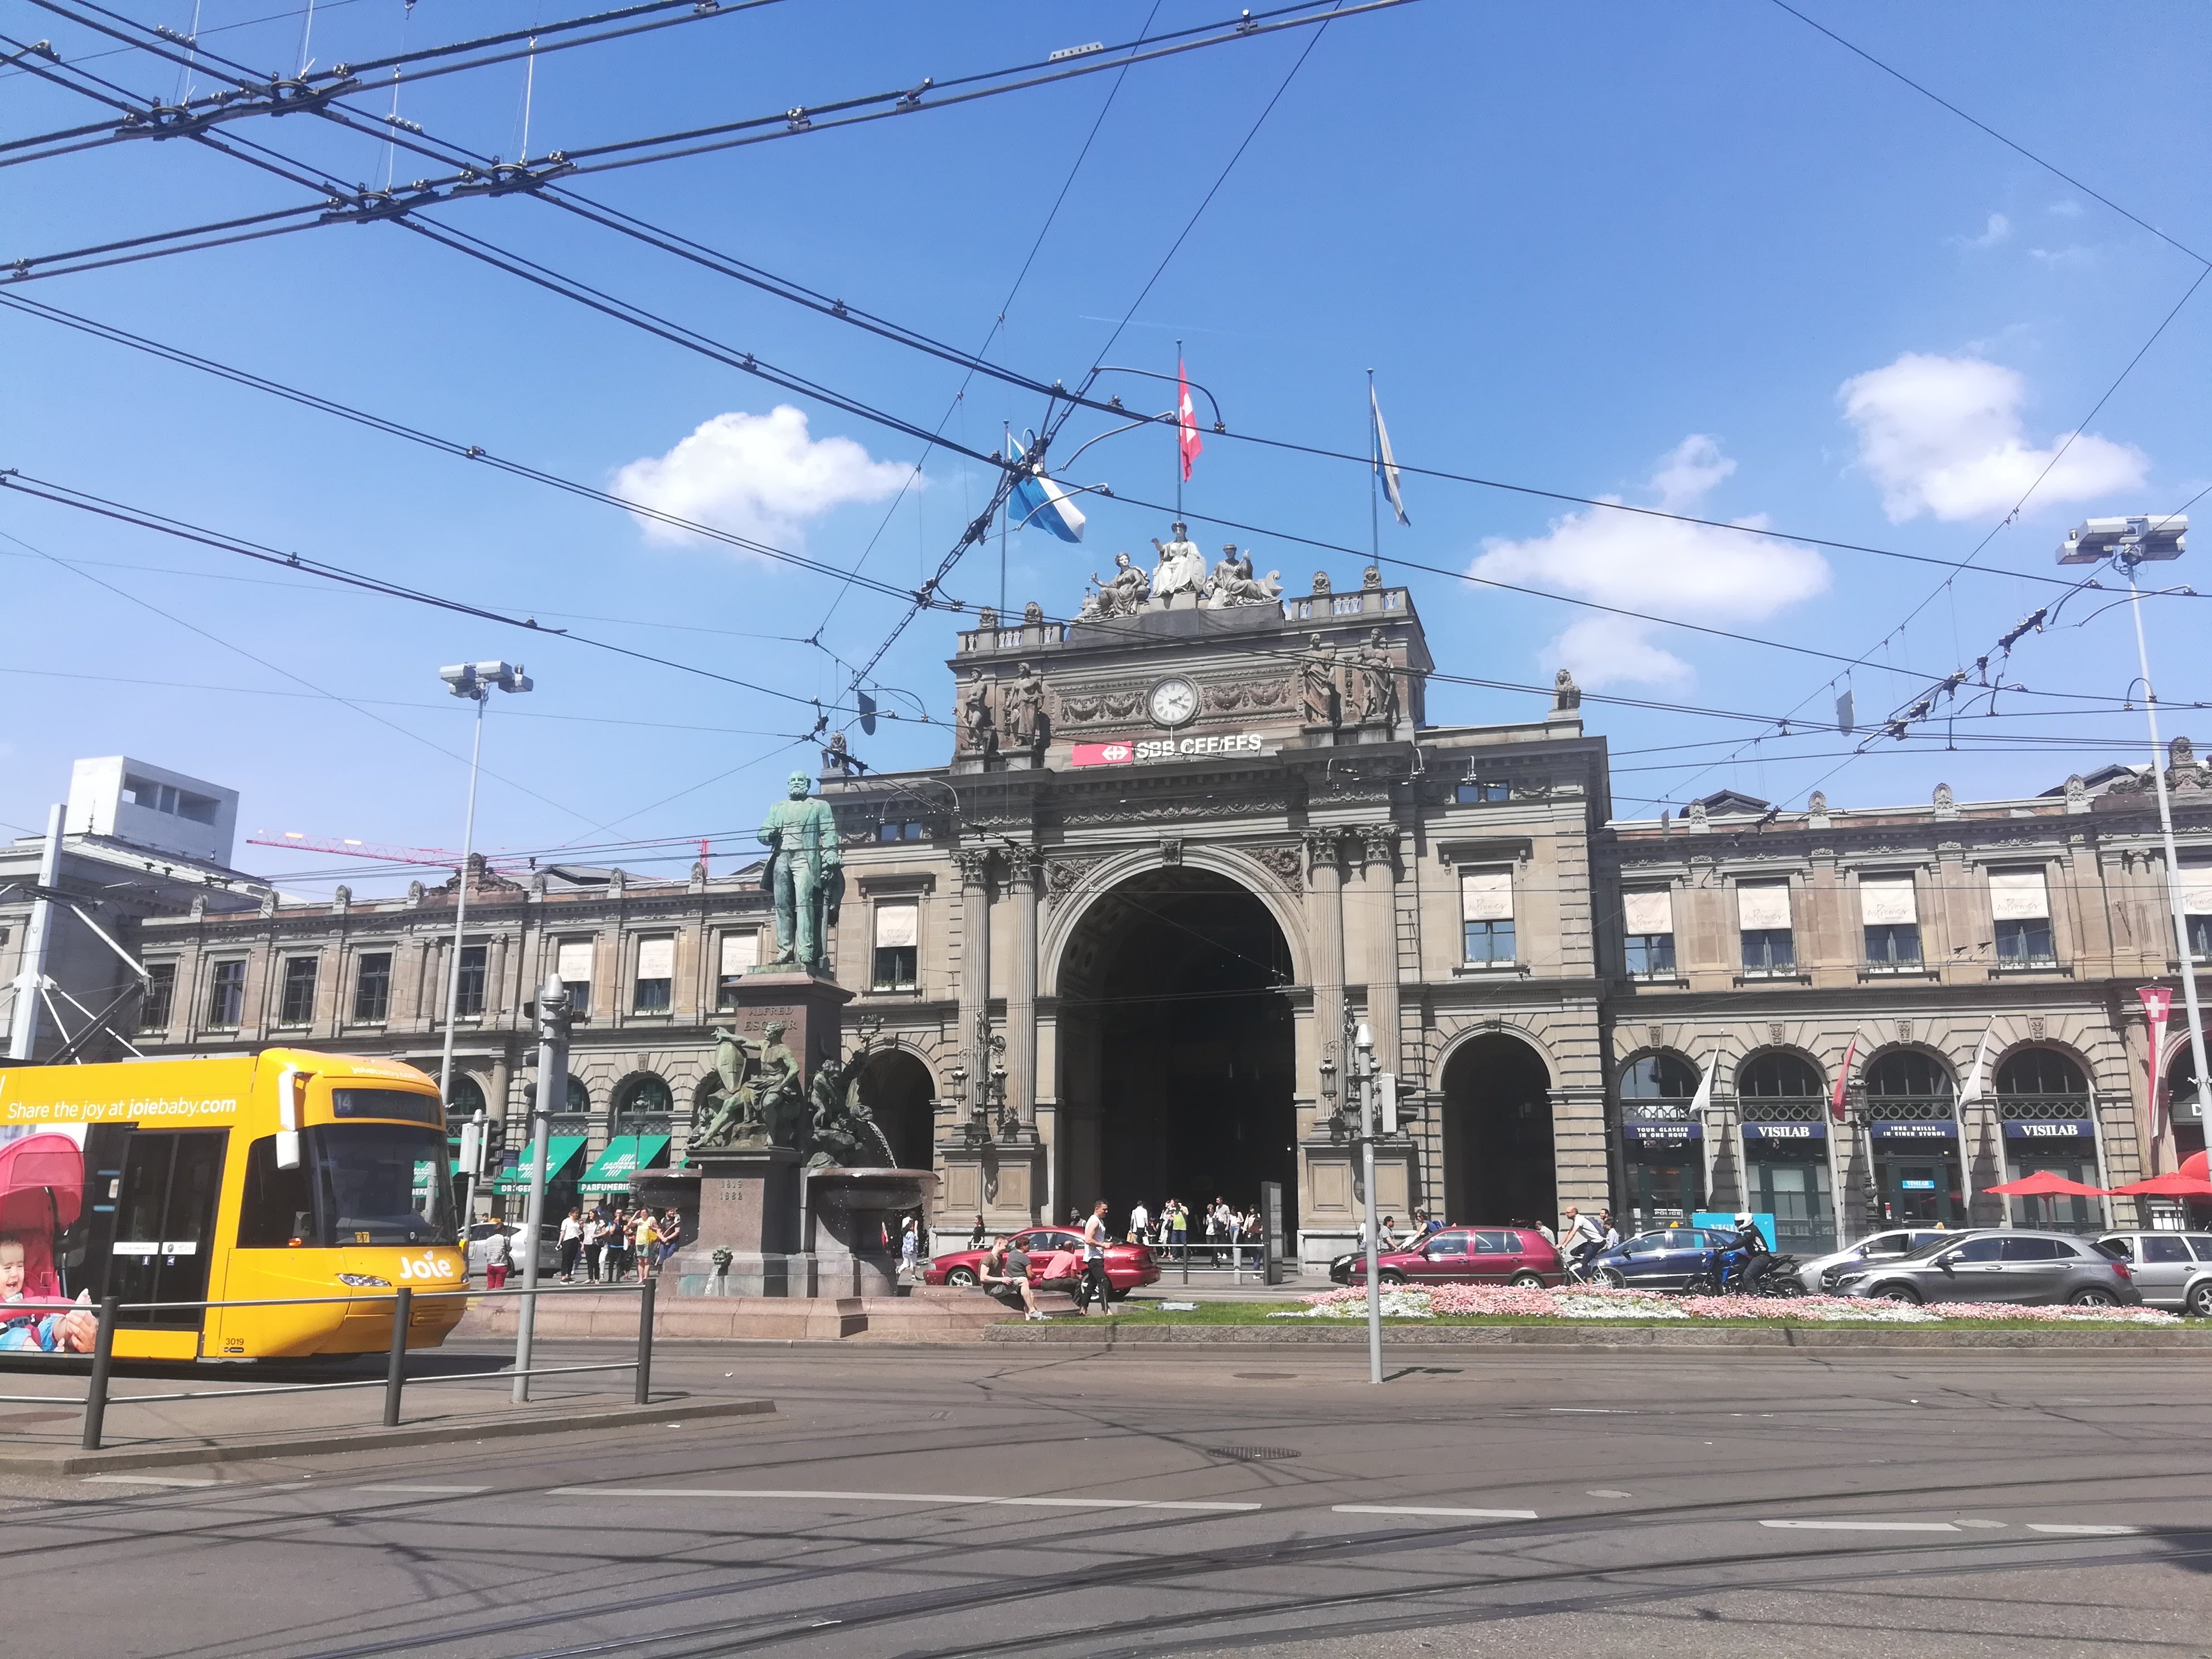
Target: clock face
<point x="1173" y="702"/>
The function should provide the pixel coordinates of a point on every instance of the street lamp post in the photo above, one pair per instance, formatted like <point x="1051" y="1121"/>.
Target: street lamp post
<point x="475" y="680"/>
<point x="1364" y="1068"/>
<point x="2127" y="543"/>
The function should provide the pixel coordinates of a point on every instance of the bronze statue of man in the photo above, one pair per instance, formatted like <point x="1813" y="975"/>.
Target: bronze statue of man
<point x="779" y="1090"/>
<point x="805" y="875"/>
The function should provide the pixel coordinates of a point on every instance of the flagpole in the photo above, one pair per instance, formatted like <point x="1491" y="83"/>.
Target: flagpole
<point x="1005" y="447"/>
<point x="1374" y="479"/>
<point x="1178" y="432"/>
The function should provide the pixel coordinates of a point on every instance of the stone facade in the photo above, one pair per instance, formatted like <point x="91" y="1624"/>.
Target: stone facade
<point x="1114" y="946"/>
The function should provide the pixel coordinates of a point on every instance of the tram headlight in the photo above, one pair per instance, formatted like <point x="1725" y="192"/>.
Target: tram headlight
<point x="364" y="1281"/>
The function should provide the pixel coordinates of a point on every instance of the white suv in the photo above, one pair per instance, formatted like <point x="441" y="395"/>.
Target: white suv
<point x="2171" y="1270"/>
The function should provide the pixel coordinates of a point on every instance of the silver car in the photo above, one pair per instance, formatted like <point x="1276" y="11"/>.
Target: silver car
<point x="2170" y="1270"/>
<point x="1881" y="1246"/>
<point x="2007" y="1265"/>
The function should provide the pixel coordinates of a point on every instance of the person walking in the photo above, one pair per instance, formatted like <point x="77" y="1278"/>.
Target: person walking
<point x="1140" y="1219"/>
<point x="572" y="1241"/>
<point x="1095" y="1283"/>
<point x="910" y="1249"/>
<point x="979" y="1237"/>
<point x="593" y="1229"/>
<point x="497" y="1256"/>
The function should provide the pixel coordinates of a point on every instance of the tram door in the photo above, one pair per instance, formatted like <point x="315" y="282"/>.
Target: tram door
<point x="165" y="1207"/>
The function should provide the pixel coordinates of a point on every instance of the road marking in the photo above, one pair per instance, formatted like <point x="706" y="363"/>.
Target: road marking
<point x="441" y="1492"/>
<point x="1588" y="1411"/>
<point x="889" y="1498"/>
<point x="1607" y="1491"/>
<point x="148" y="1480"/>
<point x="1984" y="1523"/>
<point x="1867" y="1527"/>
<point x="2082" y="1532"/>
<point x="1414" y="1509"/>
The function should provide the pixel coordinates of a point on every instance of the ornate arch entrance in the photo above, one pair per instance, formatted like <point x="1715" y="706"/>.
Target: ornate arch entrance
<point x="1177" y="1052"/>
<point x="897" y="1087"/>
<point x="1499" y="1156"/>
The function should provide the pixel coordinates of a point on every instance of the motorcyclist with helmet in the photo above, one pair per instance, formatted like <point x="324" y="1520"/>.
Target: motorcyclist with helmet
<point x="1747" y="1251"/>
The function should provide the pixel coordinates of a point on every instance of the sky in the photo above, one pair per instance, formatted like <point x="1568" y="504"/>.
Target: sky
<point x="1702" y="257"/>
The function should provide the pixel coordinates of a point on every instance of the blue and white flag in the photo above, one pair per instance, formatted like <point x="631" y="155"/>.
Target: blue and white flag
<point x="1386" y="464"/>
<point x="1036" y="499"/>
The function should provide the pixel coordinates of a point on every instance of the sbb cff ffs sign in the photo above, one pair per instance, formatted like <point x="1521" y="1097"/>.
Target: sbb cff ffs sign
<point x="1156" y="749"/>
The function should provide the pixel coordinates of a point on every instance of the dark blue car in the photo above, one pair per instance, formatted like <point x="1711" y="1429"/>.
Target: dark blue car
<point x="1665" y="1260"/>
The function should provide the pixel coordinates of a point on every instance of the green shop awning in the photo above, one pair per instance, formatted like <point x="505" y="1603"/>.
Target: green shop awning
<point x="515" y="1178"/>
<point x="625" y="1156"/>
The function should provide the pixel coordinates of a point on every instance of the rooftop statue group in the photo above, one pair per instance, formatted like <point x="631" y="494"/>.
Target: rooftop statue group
<point x="763" y="1100"/>
<point x="1180" y="569"/>
<point x="1356" y="688"/>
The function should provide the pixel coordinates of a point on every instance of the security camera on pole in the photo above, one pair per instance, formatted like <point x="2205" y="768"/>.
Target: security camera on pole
<point x="2127" y="543"/>
<point x="552" y="1088"/>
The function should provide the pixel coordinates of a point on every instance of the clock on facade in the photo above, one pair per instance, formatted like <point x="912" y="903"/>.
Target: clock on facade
<point x="1173" y="701"/>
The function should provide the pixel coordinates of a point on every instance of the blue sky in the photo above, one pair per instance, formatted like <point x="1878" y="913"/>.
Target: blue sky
<point x="1699" y="256"/>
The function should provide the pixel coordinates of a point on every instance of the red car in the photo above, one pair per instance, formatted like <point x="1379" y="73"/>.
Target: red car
<point x="1127" y="1265"/>
<point x="1479" y="1255"/>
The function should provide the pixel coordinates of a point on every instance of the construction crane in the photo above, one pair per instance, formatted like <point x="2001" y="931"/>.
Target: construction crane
<point x="349" y="847"/>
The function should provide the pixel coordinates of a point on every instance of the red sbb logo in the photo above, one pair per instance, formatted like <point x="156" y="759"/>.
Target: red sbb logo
<point x="1101" y="753"/>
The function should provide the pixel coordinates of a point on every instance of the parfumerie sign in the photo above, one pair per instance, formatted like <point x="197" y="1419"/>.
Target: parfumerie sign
<point x="1130" y="750"/>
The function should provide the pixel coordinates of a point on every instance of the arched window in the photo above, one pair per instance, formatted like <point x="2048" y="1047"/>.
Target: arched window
<point x="643" y="1105"/>
<point x="464" y="1097"/>
<point x="580" y="1097"/>
<point x="1776" y="1074"/>
<point x="2040" y="1072"/>
<point x="1907" y="1072"/>
<point x="2181" y="1078"/>
<point x="1658" y="1077"/>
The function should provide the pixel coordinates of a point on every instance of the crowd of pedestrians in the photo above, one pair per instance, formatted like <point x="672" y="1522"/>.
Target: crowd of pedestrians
<point x="1221" y="1229"/>
<point x="612" y="1242"/>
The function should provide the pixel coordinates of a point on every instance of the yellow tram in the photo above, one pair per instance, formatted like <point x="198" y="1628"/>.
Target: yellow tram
<point x="278" y="1175"/>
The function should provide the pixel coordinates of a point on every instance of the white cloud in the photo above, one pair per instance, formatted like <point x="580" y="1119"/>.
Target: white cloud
<point x="2067" y="209"/>
<point x="759" y="475"/>
<point x="2054" y="258"/>
<point x="1998" y="229"/>
<point x="1694" y="572"/>
<point x="1943" y="435"/>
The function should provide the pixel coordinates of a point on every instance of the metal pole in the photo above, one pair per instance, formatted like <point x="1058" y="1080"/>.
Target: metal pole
<point x="23" y="1023"/>
<point x="1364" y="1052"/>
<point x="2173" y="860"/>
<point x="645" y="1341"/>
<point x="103" y="1360"/>
<point x="552" y="1088"/>
<point x="483" y="694"/>
<point x="1374" y="478"/>
<point x="395" y="1373"/>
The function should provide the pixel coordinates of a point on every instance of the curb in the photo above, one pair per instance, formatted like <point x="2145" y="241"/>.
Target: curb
<point x="1102" y="1333"/>
<point x="72" y="1459"/>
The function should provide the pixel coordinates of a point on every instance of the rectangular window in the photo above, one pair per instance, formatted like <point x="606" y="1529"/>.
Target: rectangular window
<point x="1889" y="909"/>
<point x="1762" y="911"/>
<point x="160" y="996"/>
<point x="1769" y="951"/>
<point x="2200" y="938"/>
<point x="1648" y="918"/>
<point x="296" y="1003"/>
<point x="740" y="955"/>
<point x="226" y="994"/>
<point x="908" y="831"/>
<point x="1483" y="794"/>
<point x="573" y="962"/>
<point x="2020" y="902"/>
<point x="1486" y="911"/>
<point x="656" y="974"/>
<point x="2196" y="908"/>
<point x="1892" y="945"/>
<point x="470" y="1003"/>
<point x="372" y="988"/>
<point x="898" y="945"/>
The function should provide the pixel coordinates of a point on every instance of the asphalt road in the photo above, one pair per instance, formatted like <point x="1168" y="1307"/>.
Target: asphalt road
<point x="959" y="1502"/>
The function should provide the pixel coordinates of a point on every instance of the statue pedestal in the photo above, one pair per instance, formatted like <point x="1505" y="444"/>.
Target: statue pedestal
<point x="743" y="1200"/>
<point x="811" y="1009"/>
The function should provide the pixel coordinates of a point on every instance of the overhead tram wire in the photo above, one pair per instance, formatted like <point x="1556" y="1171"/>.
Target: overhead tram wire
<point x="15" y="482"/>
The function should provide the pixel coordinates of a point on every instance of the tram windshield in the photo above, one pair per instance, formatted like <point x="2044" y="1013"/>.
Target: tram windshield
<point x="381" y="1184"/>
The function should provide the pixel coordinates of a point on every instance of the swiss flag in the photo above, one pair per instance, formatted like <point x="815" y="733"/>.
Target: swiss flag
<point x="1101" y="753"/>
<point x="1186" y="420"/>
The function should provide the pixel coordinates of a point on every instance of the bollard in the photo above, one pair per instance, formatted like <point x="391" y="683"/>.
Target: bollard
<point x="645" y="1341"/>
<point x="103" y="1358"/>
<point x="395" y="1374"/>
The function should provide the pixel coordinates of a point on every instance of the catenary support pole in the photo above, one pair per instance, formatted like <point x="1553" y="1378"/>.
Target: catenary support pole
<point x="1364" y="1060"/>
<point x="552" y="1088"/>
<point x="2172" y="859"/>
<point x="460" y="914"/>
<point x="30" y="981"/>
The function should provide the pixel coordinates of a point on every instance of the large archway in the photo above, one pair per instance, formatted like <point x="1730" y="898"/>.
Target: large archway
<point x="1176" y="1057"/>
<point x="895" y="1086"/>
<point x="1499" y="1161"/>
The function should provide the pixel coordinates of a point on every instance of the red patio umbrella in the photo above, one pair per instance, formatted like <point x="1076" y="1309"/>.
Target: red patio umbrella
<point x="2174" y="1184"/>
<point x="2044" y="1184"/>
<point x="2194" y="1164"/>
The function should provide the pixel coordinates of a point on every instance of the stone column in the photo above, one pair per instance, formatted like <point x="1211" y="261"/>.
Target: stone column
<point x="1024" y="872"/>
<point x="974" y="864"/>
<point x="1325" y="904"/>
<point x="1378" y="884"/>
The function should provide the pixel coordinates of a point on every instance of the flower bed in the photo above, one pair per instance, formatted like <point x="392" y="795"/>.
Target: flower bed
<point x="1586" y="1302"/>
